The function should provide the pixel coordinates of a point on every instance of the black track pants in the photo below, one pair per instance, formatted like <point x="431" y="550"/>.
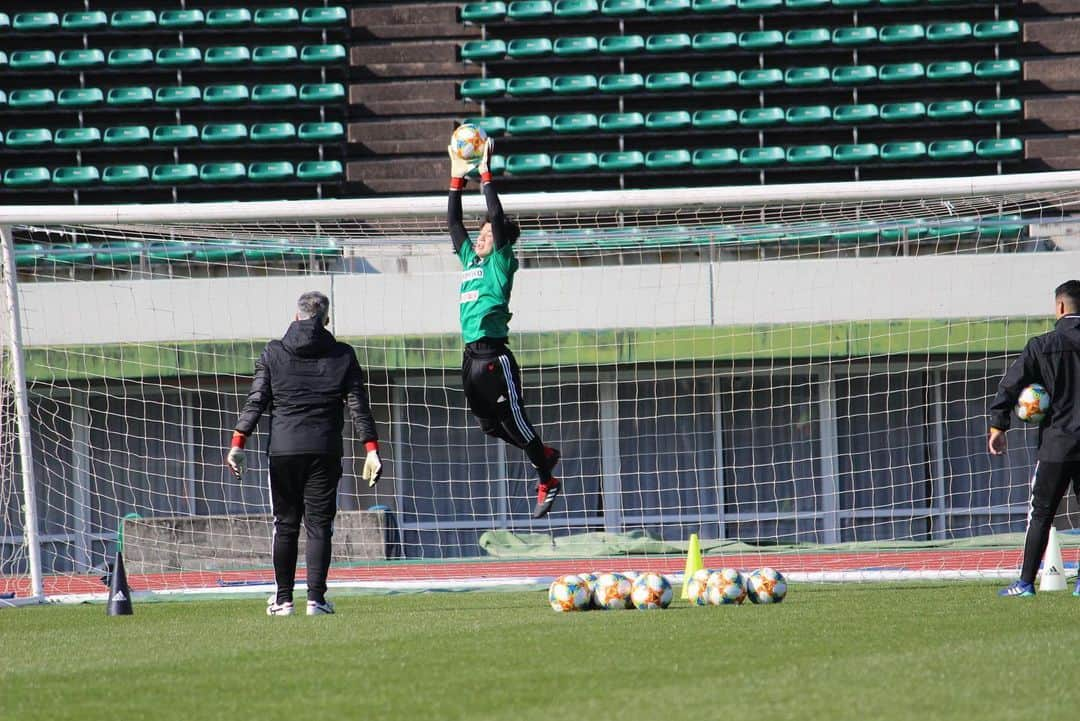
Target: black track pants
<point x="1048" y="487"/>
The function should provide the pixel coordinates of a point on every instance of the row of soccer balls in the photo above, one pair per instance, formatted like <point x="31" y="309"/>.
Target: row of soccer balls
<point x="647" y="591"/>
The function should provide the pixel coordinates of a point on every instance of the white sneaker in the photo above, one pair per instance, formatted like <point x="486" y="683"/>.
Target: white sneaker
<point x="280" y="609"/>
<point x="314" y="608"/>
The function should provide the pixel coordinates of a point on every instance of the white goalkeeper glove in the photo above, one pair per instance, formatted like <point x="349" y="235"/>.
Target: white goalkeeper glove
<point x="484" y="168"/>
<point x="236" y="460"/>
<point x="459" y="167"/>
<point x="372" y="468"/>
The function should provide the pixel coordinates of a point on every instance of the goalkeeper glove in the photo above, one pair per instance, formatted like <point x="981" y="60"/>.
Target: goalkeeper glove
<point x="236" y="459"/>
<point x="372" y="465"/>
<point x="484" y="167"/>
<point x="459" y="168"/>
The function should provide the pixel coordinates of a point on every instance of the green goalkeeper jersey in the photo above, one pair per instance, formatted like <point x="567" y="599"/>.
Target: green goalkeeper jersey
<point x="486" y="284"/>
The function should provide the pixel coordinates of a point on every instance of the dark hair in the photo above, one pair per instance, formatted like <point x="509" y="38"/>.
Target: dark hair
<point x="510" y="229"/>
<point x="1069" y="291"/>
<point x="314" y="304"/>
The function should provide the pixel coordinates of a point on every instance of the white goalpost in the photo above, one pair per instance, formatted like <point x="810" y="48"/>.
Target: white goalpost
<point x="798" y="374"/>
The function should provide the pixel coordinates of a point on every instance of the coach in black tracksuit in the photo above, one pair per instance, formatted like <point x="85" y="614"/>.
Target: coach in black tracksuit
<point x="305" y="379"/>
<point x="1052" y="360"/>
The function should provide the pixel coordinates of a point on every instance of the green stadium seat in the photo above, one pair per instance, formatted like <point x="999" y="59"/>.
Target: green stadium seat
<point x="950" y="110"/>
<point x="76" y="137"/>
<point x="227" y="55"/>
<point x="274" y="54"/>
<point x="903" y="152"/>
<point x="719" y="118"/>
<point x="713" y="6"/>
<point x="180" y="19"/>
<point x="28" y="137"/>
<point x="170" y="57"/>
<point x="668" y="120"/>
<point x="225" y="94"/>
<point x="334" y="15"/>
<point x="807" y="37"/>
<point x="323" y="54"/>
<point x="494" y="125"/>
<point x="903" y="33"/>
<point x="171" y="251"/>
<point x="858" y="113"/>
<point x="621" y="122"/>
<point x="322" y="93"/>
<point x="622" y="8"/>
<point x="568" y="9"/>
<point x="997" y="69"/>
<point x="78" y="97"/>
<point x="31" y="98"/>
<point x="667" y="7"/>
<point x="899" y="3"/>
<point x="1000" y="108"/>
<point x="622" y="44"/>
<point x="131" y="57"/>
<point x="714" y="79"/>
<point x="224" y="133"/>
<point x="762" y="156"/>
<point x="901" y="72"/>
<point x="575" y="46"/>
<point x="902" y="112"/>
<point x="852" y="4"/>
<point x="276" y="17"/>
<point x="863" y="35"/>
<point x="575" y="162"/>
<point x="668" y="43"/>
<point x="25" y="177"/>
<point x="529" y="86"/>
<point x="272" y="171"/>
<point x="321" y="170"/>
<point x="32" y="59"/>
<point x="133" y="19"/>
<point x="4" y="58"/>
<point x="128" y="252"/>
<point x="622" y="161"/>
<point x="273" y="93"/>
<point x="806" y="4"/>
<point x="809" y="114"/>
<point x="997" y="30"/>
<point x="760" y="78"/>
<point x="178" y="95"/>
<point x="667" y="159"/>
<point x="759" y="117"/>
<point x="139" y="95"/>
<point x="950" y="150"/>
<point x="622" y="84"/>
<point x="948" y="32"/>
<point x="528" y="125"/>
<point x="667" y="82"/>
<point x="529" y="10"/>
<point x="949" y="70"/>
<point x="174" y="134"/>
<point x="271" y="132"/>
<point x="127" y="135"/>
<point x="520" y="48"/>
<point x="999" y="148"/>
<point x="76" y="175"/>
<point x="230" y="172"/>
<point x="574" y="123"/>
<point x="714" y="157"/>
<point x="574" y="85"/>
<point x="483" y="12"/>
<point x="761" y="39"/>
<point x="30" y="254"/>
<point x="174" y="174"/>
<point x="528" y="163"/>
<point x="35" y="22"/>
<point x="760" y="5"/>
<point x="125" y="175"/>
<point x="712" y="42"/>
<point x="228" y="18"/>
<point x="808" y="154"/>
<point x="84" y="21"/>
<point x="483" y="87"/>
<point x="70" y="253"/>
<point x="854" y="153"/>
<point x="800" y="77"/>
<point x="5" y="21"/>
<point x="81" y="59"/>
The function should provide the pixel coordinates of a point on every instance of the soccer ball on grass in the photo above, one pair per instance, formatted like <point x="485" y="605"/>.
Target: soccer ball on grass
<point x="726" y="587"/>
<point x="695" y="589"/>
<point x="766" y="585"/>
<point x="651" y="591"/>
<point x="569" y="593"/>
<point x="611" y="592"/>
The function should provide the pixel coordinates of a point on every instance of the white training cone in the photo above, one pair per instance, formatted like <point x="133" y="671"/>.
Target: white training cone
<point x="1053" y="574"/>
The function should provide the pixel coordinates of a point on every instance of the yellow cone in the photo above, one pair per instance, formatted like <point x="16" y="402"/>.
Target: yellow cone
<point x="693" y="562"/>
<point x="1053" y="573"/>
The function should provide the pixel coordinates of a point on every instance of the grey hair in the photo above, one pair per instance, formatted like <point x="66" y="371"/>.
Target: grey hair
<point x="313" y="304"/>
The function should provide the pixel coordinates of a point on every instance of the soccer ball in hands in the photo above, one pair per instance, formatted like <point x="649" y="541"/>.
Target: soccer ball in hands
<point x="612" y="592"/>
<point x="695" y="589"/>
<point x="569" y="593"/>
<point x="651" y="591"/>
<point x="725" y="587"/>
<point x="1033" y="404"/>
<point x="468" y="142"/>
<point x="766" y="585"/>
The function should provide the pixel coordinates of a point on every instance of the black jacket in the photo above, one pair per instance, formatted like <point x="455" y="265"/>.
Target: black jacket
<point x="304" y="380"/>
<point x="1052" y="360"/>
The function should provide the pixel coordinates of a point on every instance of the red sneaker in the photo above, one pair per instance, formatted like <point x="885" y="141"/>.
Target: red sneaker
<point x="546" y="493"/>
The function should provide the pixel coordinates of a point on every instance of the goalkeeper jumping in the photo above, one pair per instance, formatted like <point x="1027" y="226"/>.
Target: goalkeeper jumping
<point x="489" y="372"/>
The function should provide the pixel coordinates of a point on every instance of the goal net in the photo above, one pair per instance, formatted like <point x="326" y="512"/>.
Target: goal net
<point x="797" y="374"/>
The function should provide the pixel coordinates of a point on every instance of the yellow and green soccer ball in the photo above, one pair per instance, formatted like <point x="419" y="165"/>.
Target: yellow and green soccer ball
<point x="725" y="587"/>
<point x="766" y="585"/>
<point x="651" y="591"/>
<point x="569" y="593"/>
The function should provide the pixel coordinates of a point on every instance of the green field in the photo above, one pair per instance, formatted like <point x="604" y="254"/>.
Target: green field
<point x="857" y="651"/>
